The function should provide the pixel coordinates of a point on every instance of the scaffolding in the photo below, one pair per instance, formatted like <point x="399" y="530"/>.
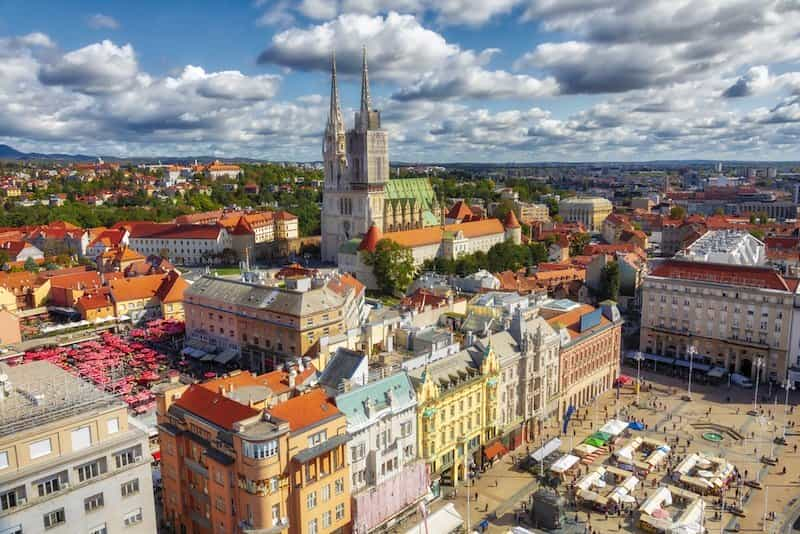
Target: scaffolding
<point x="40" y="393"/>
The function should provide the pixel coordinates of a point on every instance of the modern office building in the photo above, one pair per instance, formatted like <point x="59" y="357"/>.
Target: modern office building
<point x="69" y="461"/>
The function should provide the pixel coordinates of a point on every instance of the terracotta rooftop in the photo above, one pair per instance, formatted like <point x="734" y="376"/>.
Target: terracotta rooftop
<point x="460" y="211"/>
<point x="433" y="234"/>
<point x="571" y="320"/>
<point x="139" y="287"/>
<point x="511" y="220"/>
<point x="214" y="407"/>
<point x="370" y="240"/>
<point x="306" y="410"/>
<point x="735" y="275"/>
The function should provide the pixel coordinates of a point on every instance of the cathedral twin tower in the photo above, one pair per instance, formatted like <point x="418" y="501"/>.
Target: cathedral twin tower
<point x="357" y="174"/>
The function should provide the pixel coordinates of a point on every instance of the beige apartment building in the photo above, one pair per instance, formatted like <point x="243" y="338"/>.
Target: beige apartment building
<point x="267" y="325"/>
<point x="731" y="314"/>
<point x="69" y="461"/>
<point x="232" y="465"/>
<point x="589" y="211"/>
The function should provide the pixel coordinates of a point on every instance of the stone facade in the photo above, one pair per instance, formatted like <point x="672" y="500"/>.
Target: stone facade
<point x="358" y="191"/>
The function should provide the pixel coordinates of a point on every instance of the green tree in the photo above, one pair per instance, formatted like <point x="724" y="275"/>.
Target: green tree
<point x="538" y="252"/>
<point x="677" y="212"/>
<point x="577" y="243"/>
<point x="3" y="258"/>
<point x="757" y="233"/>
<point x="609" y="282"/>
<point x="31" y="266"/>
<point x="392" y="265"/>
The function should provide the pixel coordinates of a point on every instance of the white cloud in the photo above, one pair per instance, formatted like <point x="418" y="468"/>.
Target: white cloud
<point x="401" y="50"/>
<point x="446" y="12"/>
<point x="624" y="45"/>
<point x="98" y="21"/>
<point x="97" y="68"/>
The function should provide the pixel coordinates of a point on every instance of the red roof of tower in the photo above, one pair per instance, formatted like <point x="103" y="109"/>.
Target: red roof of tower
<point x="371" y="239"/>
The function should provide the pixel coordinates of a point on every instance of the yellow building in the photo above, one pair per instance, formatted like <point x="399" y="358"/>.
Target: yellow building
<point x="456" y="411"/>
<point x="589" y="211"/>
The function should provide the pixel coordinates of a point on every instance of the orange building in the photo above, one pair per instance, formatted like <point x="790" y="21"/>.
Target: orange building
<point x="229" y="464"/>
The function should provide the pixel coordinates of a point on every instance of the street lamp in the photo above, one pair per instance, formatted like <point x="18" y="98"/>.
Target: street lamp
<point x="691" y="351"/>
<point x="759" y="364"/>
<point x="639" y="357"/>
<point x="787" y="386"/>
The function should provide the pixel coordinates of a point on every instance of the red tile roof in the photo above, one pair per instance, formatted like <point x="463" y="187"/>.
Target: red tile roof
<point x="511" y="220"/>
<point x="460" y="211"/>
<point x="213" y="407"/>
<point x="371" y="238"/>
<point x="306" y="410"/>
<point x="736" y="275"/>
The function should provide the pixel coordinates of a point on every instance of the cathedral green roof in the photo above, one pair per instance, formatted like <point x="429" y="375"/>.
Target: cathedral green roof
<point x="420" y="190"/>
<point x="416" y="188"/>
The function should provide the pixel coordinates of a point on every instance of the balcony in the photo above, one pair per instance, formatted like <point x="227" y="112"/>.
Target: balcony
<point x="196" y="467"/>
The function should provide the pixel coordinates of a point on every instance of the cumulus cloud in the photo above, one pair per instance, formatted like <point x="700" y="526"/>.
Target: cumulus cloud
<point x="401" y="50"/>
<point x="97" y="100"/>
<point x="97" y="68"/>
<point x="625" y="45"/>
<point x="98" y="21"/>
<point x="758" y="80"/>
<point x="446" y="12"/>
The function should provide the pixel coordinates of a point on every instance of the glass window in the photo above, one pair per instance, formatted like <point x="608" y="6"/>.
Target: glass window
<point x="316" y="439"/>
<point x="81" y="438"/>
<point x="54" y="518"/>
<point x="93" y="503"/>
<point x="326" y="519"/>
<point x="3" y="460"/>
<point x="130" y="487"/>
<point x="40" y="448"/>
<point x="261" y="450"/>
<point x="339" y="512"/>
<point x="325" y="494"/>
<point x="339" y="486"/>
<point x="312" y="527"/>
<point x="91" y="470"/>
<point x="133" y="517"/>
<point x="112" y="427"/>
<point x="99" y="529"/>
<point x="311" y="500"/>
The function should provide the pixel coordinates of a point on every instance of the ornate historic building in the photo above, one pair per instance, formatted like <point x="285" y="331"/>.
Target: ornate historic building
<point x="358" y="191"/>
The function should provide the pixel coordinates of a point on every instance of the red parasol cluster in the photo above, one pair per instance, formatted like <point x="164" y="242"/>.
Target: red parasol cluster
<point x="159" y="330"/>
<point x="113" y="364"/>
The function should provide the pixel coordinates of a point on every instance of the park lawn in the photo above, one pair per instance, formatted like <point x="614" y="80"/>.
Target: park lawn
<point x="226" y="271"/>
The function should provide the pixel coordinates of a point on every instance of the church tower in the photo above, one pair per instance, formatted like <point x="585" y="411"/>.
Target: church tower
<point x="356" y="170"/>
<point x="368" y="159"/>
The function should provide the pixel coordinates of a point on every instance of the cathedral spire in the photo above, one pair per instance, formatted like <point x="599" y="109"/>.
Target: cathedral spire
<point x="335" y="122"/>
<point x="365" y="103"/>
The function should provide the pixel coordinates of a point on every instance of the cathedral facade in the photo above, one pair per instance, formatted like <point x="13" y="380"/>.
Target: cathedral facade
<point x="358" y="190"/>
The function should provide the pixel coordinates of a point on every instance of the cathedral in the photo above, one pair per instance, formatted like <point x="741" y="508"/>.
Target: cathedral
<point x="359" y="192"/>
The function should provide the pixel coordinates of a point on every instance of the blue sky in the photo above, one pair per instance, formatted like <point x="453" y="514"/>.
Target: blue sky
<point x="457" y="80"/>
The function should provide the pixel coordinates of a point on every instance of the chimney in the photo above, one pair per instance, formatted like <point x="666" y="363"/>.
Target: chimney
<point x="292" y="377"/>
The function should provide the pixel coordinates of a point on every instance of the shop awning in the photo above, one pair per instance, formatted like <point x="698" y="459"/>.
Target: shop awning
<point x="549" y="448"/>
<point x="443" y="521"/>
<point x="494" y="450"/>
<point x="615" y="427"/>
<point x="565" y="463"/>
<point x="226" y="356"/>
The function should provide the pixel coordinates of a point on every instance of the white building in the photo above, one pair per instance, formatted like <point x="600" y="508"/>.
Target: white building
<point x="184" y="244"/>
<point x="730" y="247"/>
<point x="69" y="462"/>
<point x="387" y="478"/>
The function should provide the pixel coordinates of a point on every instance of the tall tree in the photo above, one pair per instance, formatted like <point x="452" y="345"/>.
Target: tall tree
<point x="577" y="244"/>
<point x="392" y="265"/>
<point x="609" y="282"/>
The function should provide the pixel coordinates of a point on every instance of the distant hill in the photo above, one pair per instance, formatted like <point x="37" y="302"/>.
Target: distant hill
<point x="7" y="152"/>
